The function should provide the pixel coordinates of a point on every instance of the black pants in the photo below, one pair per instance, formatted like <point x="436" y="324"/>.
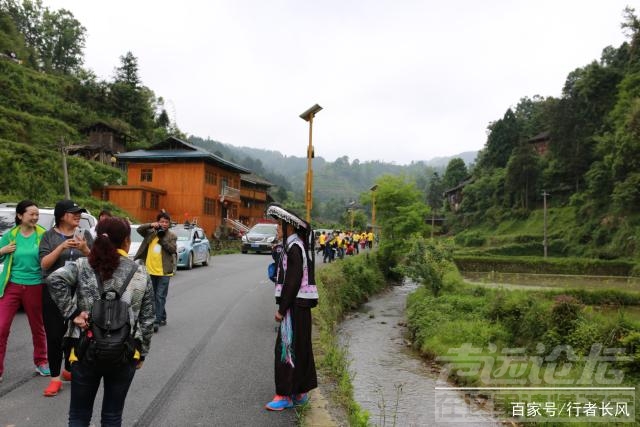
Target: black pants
<point x="84" y="387"/>
<point x="55" y="327"/>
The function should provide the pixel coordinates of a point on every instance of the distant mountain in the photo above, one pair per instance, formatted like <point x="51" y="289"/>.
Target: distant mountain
<point x="469" y="157"/>
<point x="336" y="182"/>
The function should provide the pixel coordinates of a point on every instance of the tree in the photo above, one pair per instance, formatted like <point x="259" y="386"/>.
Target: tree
<point x="435" y="197"/>
<point x="55" y="38"/>
<point x="62" y="43"/>
<point x="521" y="175"/>
<point x="129" y="100"/>
<point x="589" y="94"/>
<point x="435" y="188"/>
<point x="399" y="208"/>
<point x="10" y="39"/>
<point x="504" y="136"/>
<point x="455" y="173"/>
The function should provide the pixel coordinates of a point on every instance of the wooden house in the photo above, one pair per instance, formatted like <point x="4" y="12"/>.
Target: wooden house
<point x="103" y="143"/>
<point x="188" y="182"/>
<point x="254" y="196"/>
<point x="540" y="142"/>
<point x="454" y="194"/>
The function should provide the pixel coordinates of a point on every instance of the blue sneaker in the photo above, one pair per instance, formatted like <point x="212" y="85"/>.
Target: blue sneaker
<point x="279" y="403"/>
<point x="43" y="370"/>
<point x="300" y="399"/>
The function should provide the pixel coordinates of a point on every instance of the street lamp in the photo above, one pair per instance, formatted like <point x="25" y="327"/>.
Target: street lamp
<point x="373" y="206"/>
<point x="308" y="116"/>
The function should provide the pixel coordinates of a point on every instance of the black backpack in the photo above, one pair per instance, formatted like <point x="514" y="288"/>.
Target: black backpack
<point x="110" y="341"/>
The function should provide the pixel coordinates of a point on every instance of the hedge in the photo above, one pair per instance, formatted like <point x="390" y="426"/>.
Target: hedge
<point x="539" y="265"/>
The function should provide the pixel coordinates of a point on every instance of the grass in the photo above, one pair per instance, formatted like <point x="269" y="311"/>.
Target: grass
<point x="476" y="332"/>
<point x="342" y="286"/>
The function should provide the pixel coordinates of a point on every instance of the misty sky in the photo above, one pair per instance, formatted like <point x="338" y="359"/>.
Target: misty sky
<point x="398" y="80"/>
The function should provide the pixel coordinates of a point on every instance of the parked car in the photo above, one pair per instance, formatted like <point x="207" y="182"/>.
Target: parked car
<point x="260" y="238"/>
<point x="193" y="246"/>
<point x="136" y="240"/>
<point x="46" y="219"/>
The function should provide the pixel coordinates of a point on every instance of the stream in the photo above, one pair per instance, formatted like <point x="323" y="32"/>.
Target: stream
<point x="390" y="381"/>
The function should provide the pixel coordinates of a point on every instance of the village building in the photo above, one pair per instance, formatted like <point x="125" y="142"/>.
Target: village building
<point x="188" y="182"/>
<point x="540" y="142"/>
<point x="103" y="143"/>
<point x="254" y="196"/>
<point x="454" y="195"/>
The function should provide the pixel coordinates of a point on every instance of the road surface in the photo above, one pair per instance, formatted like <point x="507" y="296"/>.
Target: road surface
<point x="212" y="365"/>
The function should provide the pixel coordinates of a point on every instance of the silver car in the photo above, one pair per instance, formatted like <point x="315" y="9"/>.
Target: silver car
<point x="260" y="238"/>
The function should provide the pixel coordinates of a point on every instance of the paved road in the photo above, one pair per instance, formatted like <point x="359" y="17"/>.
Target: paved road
<point x="212" y="365"/>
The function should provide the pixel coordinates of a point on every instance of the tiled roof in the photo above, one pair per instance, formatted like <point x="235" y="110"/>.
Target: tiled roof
<point x="174" y="148"/>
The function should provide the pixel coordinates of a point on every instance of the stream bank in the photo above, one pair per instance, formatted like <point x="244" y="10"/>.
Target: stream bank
<point x="390" y="380"/>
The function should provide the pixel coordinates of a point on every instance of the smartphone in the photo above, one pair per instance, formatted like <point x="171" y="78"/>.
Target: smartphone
<point x="78" y="234"/>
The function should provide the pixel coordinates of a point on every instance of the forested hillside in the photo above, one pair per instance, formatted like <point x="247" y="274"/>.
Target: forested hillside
<point x="47" y="98"/>
<point x="591" y="170"/>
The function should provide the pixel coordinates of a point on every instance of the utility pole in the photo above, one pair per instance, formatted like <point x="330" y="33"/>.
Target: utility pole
<point x="65" y="172"/>
<point x="544" y="207"/>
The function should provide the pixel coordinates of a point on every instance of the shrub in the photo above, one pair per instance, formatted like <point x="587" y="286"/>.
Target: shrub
<point x="565" y="314"/>
<point x="469" y="239"/>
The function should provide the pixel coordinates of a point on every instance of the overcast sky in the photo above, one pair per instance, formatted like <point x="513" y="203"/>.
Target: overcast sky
<point x="399" y="80"/>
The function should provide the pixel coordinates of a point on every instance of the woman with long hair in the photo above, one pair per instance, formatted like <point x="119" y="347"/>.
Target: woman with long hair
<point x="62" y="244"/>
<point x="21" y="282"/>
<point x="109" y="263"/>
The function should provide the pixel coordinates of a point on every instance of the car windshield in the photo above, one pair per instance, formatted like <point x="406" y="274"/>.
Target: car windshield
<point x="7" y="220"/>
<point x="184" y="234"/>
<point x="263" y="229"/>
<point x="135" y="236"/>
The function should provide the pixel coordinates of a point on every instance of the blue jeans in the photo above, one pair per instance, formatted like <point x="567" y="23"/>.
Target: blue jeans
<point x="84" y="387"/>
<point x="160" y="290"/>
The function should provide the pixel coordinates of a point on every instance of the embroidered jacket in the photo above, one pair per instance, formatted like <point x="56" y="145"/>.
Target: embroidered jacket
<point x="74" y="288"/>
<point x="308" y="293"/>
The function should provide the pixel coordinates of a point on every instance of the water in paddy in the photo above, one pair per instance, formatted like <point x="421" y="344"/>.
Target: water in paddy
<point x="391" y="382"/>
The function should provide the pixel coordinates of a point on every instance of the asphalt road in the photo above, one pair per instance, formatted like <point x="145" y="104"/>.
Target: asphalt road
<point x="212" y="365"/>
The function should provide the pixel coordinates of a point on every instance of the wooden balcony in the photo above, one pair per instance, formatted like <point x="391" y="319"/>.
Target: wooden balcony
<point x="230" y="194"/>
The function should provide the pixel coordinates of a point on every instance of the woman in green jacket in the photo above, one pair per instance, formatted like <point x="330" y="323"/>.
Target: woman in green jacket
<point x="21" y="282"/>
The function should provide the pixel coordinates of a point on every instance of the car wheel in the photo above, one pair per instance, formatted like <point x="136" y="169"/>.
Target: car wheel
<point x="244" y="251"/>
<point x="206" y="260"/>
<point x="190" y="261"/>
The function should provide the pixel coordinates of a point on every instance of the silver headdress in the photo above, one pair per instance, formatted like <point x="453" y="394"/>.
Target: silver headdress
<point x="278" y="212"/>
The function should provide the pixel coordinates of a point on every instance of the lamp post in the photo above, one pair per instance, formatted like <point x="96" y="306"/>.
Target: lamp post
<point x="373" y="206"/>
<point x="308" y="198"/>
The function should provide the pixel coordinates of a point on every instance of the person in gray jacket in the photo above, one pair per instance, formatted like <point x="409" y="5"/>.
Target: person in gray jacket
<point x="74" y="289"/>
<point x="158" y="251"/>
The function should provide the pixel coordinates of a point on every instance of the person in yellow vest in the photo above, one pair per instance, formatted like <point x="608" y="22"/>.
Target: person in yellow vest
<point x="322" y="240"/>
<point x="158" y="250"/>
<point x="370" y="239"/>
<point x="356" y="242"/>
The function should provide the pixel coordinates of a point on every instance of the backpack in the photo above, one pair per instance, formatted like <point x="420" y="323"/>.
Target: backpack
<point x="110" y="339"/>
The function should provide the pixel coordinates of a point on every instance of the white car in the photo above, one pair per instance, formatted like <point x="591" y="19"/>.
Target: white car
<point x="136" y="240"/>
<point x="46" y="219"/>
